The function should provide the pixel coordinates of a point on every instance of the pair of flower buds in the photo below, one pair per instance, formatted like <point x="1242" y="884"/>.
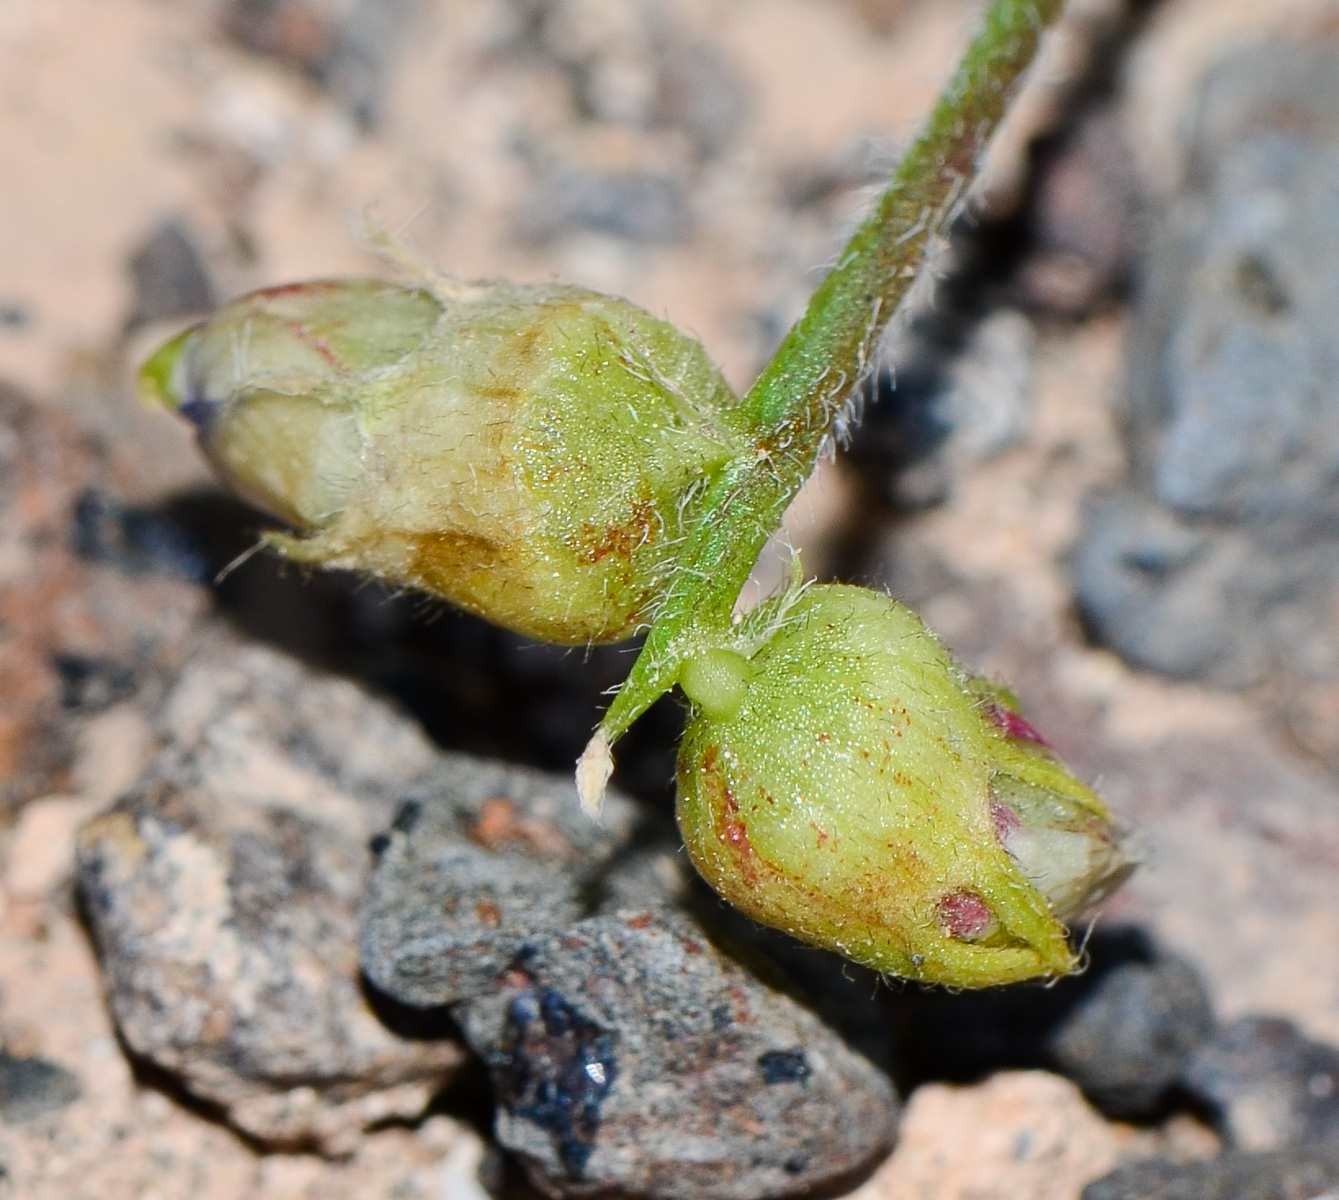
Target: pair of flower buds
<point x="537" y="455"/>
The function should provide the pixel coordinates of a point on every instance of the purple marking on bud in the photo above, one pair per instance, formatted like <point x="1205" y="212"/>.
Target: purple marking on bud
<point x="200" y="412"/>
<point x="1013" y="725"/>
<point x="1006" y="820"/>
<point x="965" y="916"/>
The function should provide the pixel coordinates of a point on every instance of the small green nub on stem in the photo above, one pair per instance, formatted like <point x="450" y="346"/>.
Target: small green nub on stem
<point x="716" y="681"/>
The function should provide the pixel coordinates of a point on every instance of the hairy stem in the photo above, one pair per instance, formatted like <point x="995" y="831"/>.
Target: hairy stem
<point x="795" y="402"/>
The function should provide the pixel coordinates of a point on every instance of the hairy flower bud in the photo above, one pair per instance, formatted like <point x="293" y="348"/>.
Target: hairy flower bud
<point x="529" y="453"/>
<point x="843" y="779"/>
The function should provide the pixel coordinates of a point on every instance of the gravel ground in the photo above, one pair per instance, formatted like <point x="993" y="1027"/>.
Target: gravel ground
<point x="703" y="158"/>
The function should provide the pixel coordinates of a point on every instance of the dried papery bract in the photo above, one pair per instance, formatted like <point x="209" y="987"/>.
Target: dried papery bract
<point x="531" y="454"/>
<point x="850" y="784"/>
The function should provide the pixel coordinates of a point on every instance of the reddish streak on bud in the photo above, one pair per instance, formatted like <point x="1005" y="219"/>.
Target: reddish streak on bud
<point x="965" y="916"/>
<point x="730" y="829"/>
<point x="1013" y="725"/>
<point x="323" y="347"/>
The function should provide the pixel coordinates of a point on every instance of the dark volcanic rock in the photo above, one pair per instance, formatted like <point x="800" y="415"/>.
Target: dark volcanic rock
<point x="1308" y="1174"/>
<point x="1123" y="1030"/>
<point x="1127" y="1040"/>
<point x="479" y="857"/>
<point x="629" y="1056"/>
<point x="222" y="893"/>
<point x="1271" y="1085"/>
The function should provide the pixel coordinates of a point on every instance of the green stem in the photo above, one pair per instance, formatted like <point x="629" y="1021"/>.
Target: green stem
<point x="821" y="362"/>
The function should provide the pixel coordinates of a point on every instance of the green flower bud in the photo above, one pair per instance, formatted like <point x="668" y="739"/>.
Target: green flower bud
<point x="531" y="454"/>
<point x="854" y="787"/>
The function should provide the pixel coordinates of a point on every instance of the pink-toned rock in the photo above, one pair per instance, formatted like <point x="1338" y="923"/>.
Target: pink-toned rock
<point x="1020" y="1135"/>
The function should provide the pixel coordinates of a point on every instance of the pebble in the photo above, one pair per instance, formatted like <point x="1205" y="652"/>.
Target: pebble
<point x="957" y="392"/>
<point x="637" y="206"/>
<point x="630" y="1056"/>
<point x="634" y="66"/>
<point x="1123" y="1030"/>
<point x="170" y="277"/>
<point x="222" y="893"/>
<point x="479" y="857"/>
<point x="31" y="1087"/>
<point x="1270" y="1085"/>
<point x="1125" y="1043"/>
<point x="1311" y="1174"/>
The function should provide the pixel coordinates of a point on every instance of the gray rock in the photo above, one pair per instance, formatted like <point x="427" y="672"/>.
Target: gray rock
<point x="1126" y="1042"/>
<point x="479" y="857"/>
<point x="1172" y="596"/>
<point x="1232" y="359"/>
<point x="31" y="1087"/>
<point x="1219" y="561"/>
<point x="222" y="894"/>
<point x="1271" y="1085"/>
<point x="1310" y="1174"/>
<point x="631" y="1057"/>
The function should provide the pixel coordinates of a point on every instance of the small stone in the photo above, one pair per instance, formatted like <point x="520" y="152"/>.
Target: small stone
<point x="1270" y="1084"/>
<point x="170" y="276"/>
<point x="1127" y="1040"/>
<point x="33" y="1087"/>
<point x="1021" y="1133"/>
<point x="1122" y="1030"/>
<point x="1304" y="1174"/>
<point x="222" y="894"/>
<point x="630" y="1056"/>
<point x="1170" y="596"/>
<point x="479" y="857"/>
<point x="956" y="392"/>
<point x="637" y="206"/>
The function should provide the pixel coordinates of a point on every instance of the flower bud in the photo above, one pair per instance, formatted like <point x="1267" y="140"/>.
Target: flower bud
<point x="850" y="784"/>
<point x="529" y="453"/>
